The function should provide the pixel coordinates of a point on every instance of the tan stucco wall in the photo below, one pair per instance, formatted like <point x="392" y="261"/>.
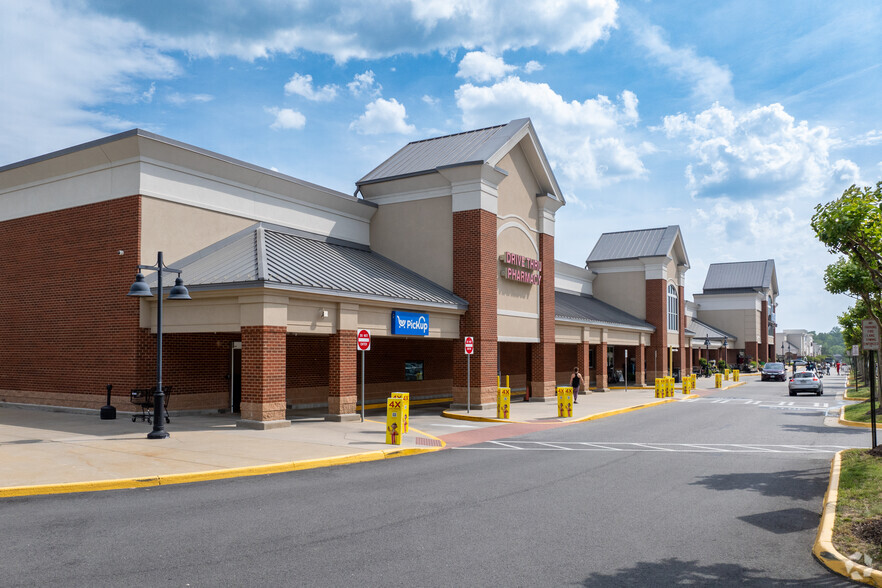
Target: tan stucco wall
<point x="513" y="295"/>
<point x="516" y="328"/>
<point x="571" y="334"/>
<point x="179" y="230"/>
<point x="624" y="290"/>
<point x="517" y="192"/>
<point x="623" y="337"/>
<point x="418" y="235"/>
<point x="744" y="324"/>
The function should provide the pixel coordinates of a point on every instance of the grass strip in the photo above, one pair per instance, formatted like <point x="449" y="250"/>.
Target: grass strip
<point x="863" y="390"/>
<point x="858" y="529"/>
<point x="860" y="413"/>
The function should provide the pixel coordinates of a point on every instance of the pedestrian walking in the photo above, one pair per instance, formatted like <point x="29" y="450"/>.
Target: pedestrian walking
<point x="838" y="365"/>
<point x="576" y="383"/>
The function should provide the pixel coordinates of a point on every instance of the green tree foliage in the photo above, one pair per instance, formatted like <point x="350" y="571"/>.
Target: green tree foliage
<point x="852" y="226"/>
<point x="831" y="343"/>
<point x="851" y="323"/>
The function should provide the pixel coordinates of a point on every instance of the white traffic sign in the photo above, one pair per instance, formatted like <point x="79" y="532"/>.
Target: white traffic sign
<point x="870" y="339"/>
<point x="855" y="350"/>
<point x="469" y="345"/>
<point x="364" y="340"/>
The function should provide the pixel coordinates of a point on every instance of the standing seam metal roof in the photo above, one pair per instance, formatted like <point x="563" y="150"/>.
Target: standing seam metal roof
<point x="739" y="274"/>
<point x="634" y="244"/>
<point x="589" y="309"/>
<point x="264" y="255"/>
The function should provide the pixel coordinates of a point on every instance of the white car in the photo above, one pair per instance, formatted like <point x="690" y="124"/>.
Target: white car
<point x="807" y="381"/>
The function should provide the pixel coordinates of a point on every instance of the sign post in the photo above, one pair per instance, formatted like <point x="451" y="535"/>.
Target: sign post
<point x="469" y="350"/>
<point x="363" y="341"/>
<point x="626" y="370"/>
<point x="870" y="340"/>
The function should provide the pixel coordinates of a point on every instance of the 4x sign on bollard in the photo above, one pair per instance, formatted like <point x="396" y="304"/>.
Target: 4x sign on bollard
<point x="469" y="350"/>
<point x="363" y="341"/>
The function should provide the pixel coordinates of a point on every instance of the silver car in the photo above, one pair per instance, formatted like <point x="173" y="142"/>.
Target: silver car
<point x="807" y="381"/>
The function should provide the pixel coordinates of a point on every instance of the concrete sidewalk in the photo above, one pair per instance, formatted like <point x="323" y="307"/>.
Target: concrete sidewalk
<point x="45" y="452"/>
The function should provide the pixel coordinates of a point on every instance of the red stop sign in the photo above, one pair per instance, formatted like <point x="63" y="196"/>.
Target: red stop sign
<point x="469" y="345"/>
<point x="364" y="340"/>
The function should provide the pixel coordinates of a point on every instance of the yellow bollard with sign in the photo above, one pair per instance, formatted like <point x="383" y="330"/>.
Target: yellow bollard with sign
<point x="503" y="403"/>
<point x="659" y="388"/>
<point x="564" y="401"/>
<point x="718" y="380"/>
<point x="726" y="374"/>
<point x="670" y="393"/>
<point x="405" y="398"/>
<point x="394" y="421"/>
<point x="736" y="374"/>
<point x="687" y="382"/>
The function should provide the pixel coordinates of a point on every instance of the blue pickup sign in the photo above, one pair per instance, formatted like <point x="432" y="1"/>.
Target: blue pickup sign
<point x="410" y="323"/>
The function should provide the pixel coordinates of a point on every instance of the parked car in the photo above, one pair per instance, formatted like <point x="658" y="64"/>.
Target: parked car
<point x="807" y="381"/>
<point x="774" y="371"/>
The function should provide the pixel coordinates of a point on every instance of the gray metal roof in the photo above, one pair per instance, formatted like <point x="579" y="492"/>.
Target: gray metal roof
<point x="702" y="330"/>
<point x="741" y="274"/>
<point x="634" y="244"/>
<point x="588" y="309"/>
<point x="265" y="255"/>
<point x="420" y="157"/>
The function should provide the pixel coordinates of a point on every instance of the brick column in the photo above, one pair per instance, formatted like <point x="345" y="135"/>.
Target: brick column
<point x="764" y="332"/>
<point x="640" y="362"/>
<point x="681" y="335"/>
<point x="543" y="385"/>
<point x="342" y="376"/>
<point x="657" y="316"/>
<point x="583" y="360"/>
<point x="751" y="349"/>
<point x="601" y="379"/>
<point x="474" y="279"/>
<point x="263" y="377"/>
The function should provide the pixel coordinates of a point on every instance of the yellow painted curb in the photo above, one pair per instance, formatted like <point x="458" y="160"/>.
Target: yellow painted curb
<point x="823" y="548"/>
<point x="610" y="413"/>
<point x="847" y="423"/>
<point x="478" y="419"/>
<point x="164" y="480"/>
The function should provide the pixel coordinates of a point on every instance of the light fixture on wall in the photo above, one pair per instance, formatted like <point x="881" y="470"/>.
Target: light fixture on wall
<point x="323" y="313"/>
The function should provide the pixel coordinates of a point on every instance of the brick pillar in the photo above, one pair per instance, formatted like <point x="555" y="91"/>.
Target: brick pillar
<point x="583" y="360"/>
<point x="343" y="376"/>
<point x="263" y="378"/>
<point x="474" y="279"/>
<point x="764" y="332"/>
<point x="544" y="381"/>
<point x="683" y="360"/>
<point x="640" y="361"/>
<point x="601" y="383"/>
<point x="657" y="316"/>
<point x="751" y="349"/>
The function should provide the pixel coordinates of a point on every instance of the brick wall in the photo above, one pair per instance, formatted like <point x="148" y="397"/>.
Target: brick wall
<point x="67" y="328"/>
<point x="764" y="332"/>
<point x="474" y="279"/>
<point x="683" y="355"/>
<point x="263" y="373"/>
<point x="751" y="349"/>
<point x="543" y="372"/>
<point x="657" y="316"/>
<point x="601" y="381"/>
<point x="342" y="372"/>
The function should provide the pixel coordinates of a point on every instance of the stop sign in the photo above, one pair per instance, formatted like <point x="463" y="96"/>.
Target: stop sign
<point x="364" y="340"/>
<point x="469" y="345"/>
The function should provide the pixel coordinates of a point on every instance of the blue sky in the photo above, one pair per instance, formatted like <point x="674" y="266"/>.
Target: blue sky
<point x="732" y="119"/>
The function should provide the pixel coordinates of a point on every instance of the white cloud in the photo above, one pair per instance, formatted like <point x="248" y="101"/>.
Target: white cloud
<point x="847" y="171"/>
<point x="483" y="67"/>
<point x="286" y="119"/>
<point x="301" y="85"/>
<point x="370" y="29"/>
<point x="147" y="96"/>
<point x="430" y="100"/>
<point x="62" y="72"/>
<point x="586" y="141"/>
<point x="710" y="81"/>
<point x="364" y="84"/>
<point x="383" y="116"/>
<point x="179" y="99"/>
<point x="533" y="66"/>
<point x="760" y="152"/>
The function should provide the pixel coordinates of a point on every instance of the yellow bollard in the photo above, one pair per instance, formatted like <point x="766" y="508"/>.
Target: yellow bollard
<point x="564" y="401"/>
<point x="736" y="374"/>
<point x="687" y="381"/>
<point x="394" y="421"/>
<point x="670" y="393"/>
<point x="726" y="374"/>
<point x="503" y="403"/>
<point x="405" y="397"/>
<point x="659" y="387"/>
<point x="718" y="380"/>
<point x="507" y="385"/>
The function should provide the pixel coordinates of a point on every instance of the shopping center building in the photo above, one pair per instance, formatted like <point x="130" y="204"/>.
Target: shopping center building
<point x="449" y="237"/>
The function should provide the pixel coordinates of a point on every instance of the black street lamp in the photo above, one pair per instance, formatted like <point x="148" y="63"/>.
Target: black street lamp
<point x="726" y="350"/>
<point x="178" y="292"/>
<point x="707" y="347"/>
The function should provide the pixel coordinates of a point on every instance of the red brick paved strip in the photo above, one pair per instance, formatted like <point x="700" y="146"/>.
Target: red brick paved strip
<point x="473" y="437"/>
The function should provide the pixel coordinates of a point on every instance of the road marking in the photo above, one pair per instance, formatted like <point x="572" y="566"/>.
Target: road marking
<point x="654" y="447"/>
<point x="454" y="426"/>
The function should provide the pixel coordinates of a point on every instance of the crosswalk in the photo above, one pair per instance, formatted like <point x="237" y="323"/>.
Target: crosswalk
<point x="773" y="404"/>
<point x="516" y="445"/>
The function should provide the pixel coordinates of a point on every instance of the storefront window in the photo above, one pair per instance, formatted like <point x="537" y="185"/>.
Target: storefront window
<point x="673" y="309"/>
<point x="413" y="371"/>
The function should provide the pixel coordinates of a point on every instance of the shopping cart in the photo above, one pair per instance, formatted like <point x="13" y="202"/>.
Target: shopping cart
<point x="143" y="397"/>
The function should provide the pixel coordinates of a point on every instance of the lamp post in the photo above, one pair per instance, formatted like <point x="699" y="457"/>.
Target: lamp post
<point x="178" y="292"/>
<point x="726" y="350"/>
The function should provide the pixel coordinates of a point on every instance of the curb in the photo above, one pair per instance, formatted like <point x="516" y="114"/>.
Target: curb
<point x="262" y="470"/>
<point x="823" y="548"/>
<point x="600" y="415"/>
<point x="847" y="423"/>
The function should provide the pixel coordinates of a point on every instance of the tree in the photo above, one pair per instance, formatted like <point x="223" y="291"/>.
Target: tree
<point x="852" y="226"/>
